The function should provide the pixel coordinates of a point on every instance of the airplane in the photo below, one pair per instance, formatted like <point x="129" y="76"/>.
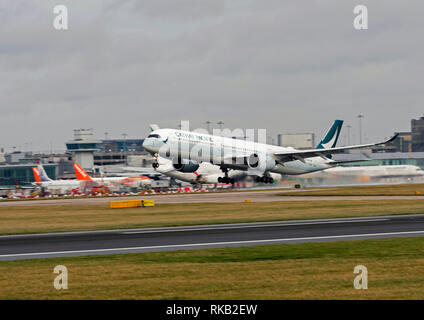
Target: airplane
<point x="43" y="181"/>
<point x="210" y="173"/>
<point x="138" y="181"/>
<point x="189" y="149"/>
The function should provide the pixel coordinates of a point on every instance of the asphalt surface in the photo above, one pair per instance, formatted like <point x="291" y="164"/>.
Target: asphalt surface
<point x="209" y="236"/>
<point x="198" y="197"/>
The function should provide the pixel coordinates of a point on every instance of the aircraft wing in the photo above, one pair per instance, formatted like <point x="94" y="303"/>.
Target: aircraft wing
<point x="338" y="162"/>
<point x="138" y="169"/>
<point x="148" y="172"/>
<point x="301" y="155"/>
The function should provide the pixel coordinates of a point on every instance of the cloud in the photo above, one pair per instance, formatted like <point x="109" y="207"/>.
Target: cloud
<point x="285" y="66"/>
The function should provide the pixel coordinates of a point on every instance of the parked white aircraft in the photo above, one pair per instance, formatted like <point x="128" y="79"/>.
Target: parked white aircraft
<point x="188" y="149"/>
<point x="386" y="171"/>
<point x="48" y="185"/>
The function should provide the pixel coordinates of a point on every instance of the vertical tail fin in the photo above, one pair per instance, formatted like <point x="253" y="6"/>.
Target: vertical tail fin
<point x="81" y="174"/>
<point x="42" y="173"/>
<point x="153" y="127"/>
<point x="330" y="139"/>
<point x="36" y="173"/>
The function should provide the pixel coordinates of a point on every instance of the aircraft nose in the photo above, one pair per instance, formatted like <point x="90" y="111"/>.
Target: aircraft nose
<point x="148" y="144"/>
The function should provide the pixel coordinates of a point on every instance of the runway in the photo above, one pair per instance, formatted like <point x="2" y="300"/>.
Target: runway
<point x="199" y="197"/>
<point x="208" y="236"/>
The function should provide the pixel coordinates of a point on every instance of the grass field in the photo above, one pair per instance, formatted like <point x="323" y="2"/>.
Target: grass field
<point x="378" y="190"/>
<point x="291" y="271"/>
<point x="56" y="218"/>
<point x="147" y="192"/>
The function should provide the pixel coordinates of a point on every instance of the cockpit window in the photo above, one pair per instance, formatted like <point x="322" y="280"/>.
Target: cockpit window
<point x="153" y="136"/>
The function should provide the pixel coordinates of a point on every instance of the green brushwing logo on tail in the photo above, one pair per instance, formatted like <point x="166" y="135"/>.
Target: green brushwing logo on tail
<point x="330" y="139"/>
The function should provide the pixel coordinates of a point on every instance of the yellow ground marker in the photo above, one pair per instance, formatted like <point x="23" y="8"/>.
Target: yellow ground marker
<point x="248" y="201"/>
<point x="148" y="203"/>
<point x="125" y="204"/>
<point x="131" y="203"/>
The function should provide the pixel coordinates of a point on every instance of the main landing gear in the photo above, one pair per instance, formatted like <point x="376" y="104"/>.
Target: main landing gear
<point x="226" y="179"/>
<point x="265" y="179"/>
<point x="155" y="165"/>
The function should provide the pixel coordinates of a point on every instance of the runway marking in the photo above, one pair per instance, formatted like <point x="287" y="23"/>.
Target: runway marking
<point x="211" y="244"/>
<point x="286" y="224"/>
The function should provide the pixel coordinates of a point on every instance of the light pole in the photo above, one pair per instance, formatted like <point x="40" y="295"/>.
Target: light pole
<point x="360" y="116"/>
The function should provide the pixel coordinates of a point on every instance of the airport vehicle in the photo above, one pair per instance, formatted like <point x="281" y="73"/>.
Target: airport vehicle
<point x="133" y="182"/>
<point x="48" y="185"/>
<point x="188" y="149"/>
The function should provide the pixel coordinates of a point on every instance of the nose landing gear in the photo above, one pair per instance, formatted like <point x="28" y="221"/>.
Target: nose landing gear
<point x="155" y="163"/>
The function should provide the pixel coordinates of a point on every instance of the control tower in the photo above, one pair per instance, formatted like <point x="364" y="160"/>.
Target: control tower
<point x="83" y="147"/>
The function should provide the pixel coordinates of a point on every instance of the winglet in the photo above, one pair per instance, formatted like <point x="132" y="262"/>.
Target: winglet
<point x="154" y="127"/>
<point x="392" y="138"/>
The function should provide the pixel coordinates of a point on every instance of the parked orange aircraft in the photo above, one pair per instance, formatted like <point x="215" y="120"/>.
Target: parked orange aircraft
<point x="131" y="181"/>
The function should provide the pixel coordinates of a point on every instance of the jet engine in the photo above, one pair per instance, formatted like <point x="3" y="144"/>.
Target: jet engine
<point x="186" y="166"/>
<point x="261" y="161"/>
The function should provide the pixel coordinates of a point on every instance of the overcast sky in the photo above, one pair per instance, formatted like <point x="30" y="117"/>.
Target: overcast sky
<point x="287" y="66"/>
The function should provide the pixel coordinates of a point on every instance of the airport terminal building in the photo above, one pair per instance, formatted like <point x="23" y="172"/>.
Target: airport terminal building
<point x="21" y="175"/>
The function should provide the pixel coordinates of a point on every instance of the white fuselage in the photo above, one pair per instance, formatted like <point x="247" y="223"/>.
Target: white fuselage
<point x="129" y="181"/>
<point x="219" y="150"/>
<point x="59" y="186"/>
